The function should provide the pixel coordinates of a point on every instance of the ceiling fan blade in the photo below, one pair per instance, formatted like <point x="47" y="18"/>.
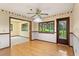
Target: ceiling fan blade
<point x="43" y="14"/>
<point x="30" y="13"/>
<point x="34" y="15"/>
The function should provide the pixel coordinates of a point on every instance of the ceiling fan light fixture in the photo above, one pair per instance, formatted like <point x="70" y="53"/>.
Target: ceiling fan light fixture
<point x="37" y="20"/>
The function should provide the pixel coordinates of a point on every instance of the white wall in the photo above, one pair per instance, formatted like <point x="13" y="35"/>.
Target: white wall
<point x="47" y="37"/>
<point x="4" y="28"/>
<point x="76" y="45"/>
<point x="76" y="29"/>
<point x="4" y="41"/>
<point x="76" y="19"/>
<point x="34" y="35"/>
<point x="4" y="23"/>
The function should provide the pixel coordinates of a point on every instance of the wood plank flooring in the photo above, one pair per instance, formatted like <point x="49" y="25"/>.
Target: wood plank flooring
<point x="38" y="48"/>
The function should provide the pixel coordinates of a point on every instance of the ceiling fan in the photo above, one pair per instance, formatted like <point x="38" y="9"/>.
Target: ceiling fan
<point x="37" y="13"/>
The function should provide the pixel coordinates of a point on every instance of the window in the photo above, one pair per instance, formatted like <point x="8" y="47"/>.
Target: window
<point x="46" y="27"/>
<point x="24" y="27"/>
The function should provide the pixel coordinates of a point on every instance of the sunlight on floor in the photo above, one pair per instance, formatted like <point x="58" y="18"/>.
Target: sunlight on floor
<point x="62" y="53"/>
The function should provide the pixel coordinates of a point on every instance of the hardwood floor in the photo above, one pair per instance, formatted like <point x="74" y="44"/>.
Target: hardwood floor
<point x="38" y="48"/>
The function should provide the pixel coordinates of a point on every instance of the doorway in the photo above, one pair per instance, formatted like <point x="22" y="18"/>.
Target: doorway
<point x="20" y="31"/>
<point x="63" y="30"/>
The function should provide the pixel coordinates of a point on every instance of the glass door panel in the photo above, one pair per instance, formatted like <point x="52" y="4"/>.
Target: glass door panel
<point x="62" y="30"/>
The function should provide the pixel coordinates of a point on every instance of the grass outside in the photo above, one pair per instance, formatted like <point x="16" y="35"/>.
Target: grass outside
<point x="62" y="33"/>
<point x="46" y="30"/>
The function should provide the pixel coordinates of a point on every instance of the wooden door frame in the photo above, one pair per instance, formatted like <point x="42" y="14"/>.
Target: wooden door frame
<point x="30" y="32"/>
<point x="68" y="30"/>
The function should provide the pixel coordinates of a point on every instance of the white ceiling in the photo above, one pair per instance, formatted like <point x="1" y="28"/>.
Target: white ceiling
<point x="23" y="8"/>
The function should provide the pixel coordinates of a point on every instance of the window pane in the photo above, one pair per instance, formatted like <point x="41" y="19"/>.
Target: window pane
<point x="46" y="27"/>
<point x="62" y="30"/>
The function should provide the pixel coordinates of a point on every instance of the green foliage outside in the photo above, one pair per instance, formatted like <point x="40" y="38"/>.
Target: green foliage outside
<point x="47" y="27"/>
<point x="62" y="31"/>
